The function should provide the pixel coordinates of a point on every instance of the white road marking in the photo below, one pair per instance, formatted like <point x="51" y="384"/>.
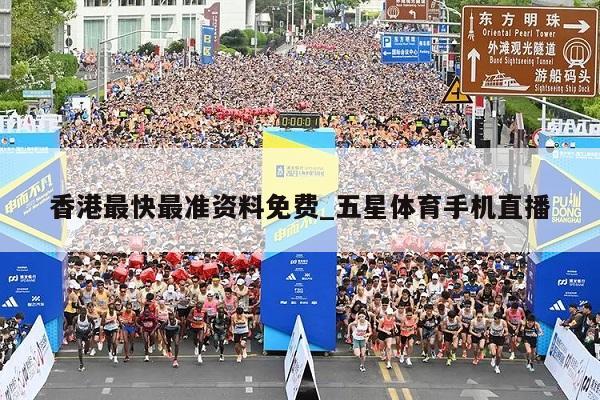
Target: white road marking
<point x="249" y="379"/>
<point x="540" y="383"/>
<point x="249" y="390"/>
<point x="471" y="382"/>
<point x="110" y="379"/>
<point x="548" y="394"/>
<point x="106" y="391"/>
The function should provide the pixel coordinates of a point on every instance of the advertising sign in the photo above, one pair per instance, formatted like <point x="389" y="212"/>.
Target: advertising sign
<point x="213" y="15"/>
<point x="26" y="372"/>
<point x="525" y="51"/>
<point x="299" y="267"/>
<point x="403" y="49"/>
<point x="570" y="363"/>
<point x="208" y="44"/>
<point x="406" y="9"/>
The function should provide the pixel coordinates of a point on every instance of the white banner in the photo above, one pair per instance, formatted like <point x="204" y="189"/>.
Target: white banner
<point x="297" y="334"/>
<point x="27" y="370"/>
<point x="574" y="368"/>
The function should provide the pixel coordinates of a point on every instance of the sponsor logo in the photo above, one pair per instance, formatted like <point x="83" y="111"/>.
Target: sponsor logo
<point x="22" y="278"/>
<point x="558" y="306"/>
<point x="291" y="277"/>
<point x="279" y="171"/>
<point x="567" y="209"/>
<point x="36" y="301"/>
<point x="10" y="303"/>
<point x="576" y="282"/>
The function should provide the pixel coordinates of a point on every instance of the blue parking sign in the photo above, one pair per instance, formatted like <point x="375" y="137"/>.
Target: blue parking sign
<point x="404" y="49"/>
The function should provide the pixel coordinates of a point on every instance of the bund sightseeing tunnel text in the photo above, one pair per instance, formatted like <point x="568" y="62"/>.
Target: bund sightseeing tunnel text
<point x="93" y="206"/>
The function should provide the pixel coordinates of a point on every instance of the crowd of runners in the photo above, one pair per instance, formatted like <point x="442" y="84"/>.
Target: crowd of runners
<point x="396" y="305"/>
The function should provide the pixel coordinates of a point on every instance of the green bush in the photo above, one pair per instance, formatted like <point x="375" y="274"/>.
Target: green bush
<point x="177" y="46"/>
<point x="531" y="112"/>
<point x="69" y="63"/>
<point x="66" y="87"/>
<point x="146" y="48"/>
<point x="227" y="50"/>
<point x="12" y="96"/>
<point x="234" y="39"/>
<point x="20" y="106"/>
<point x="262" y="38"/>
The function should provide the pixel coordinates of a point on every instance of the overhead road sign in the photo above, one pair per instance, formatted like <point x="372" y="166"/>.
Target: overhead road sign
<point x="37" y="94"/>
<point x="404" y="49"/>
<point x="454" y="94"/>
<point x="524" y="51"/>
<point x="406" y="9"/>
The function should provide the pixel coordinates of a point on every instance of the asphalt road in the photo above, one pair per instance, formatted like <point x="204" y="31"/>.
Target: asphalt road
<point x="261" y="377"/>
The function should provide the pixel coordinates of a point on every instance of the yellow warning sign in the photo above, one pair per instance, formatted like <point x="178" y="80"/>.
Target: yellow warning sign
<point x="454" y="95"/>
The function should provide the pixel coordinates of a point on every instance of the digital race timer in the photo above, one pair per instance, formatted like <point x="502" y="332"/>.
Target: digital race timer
<point x="288" y="120"/>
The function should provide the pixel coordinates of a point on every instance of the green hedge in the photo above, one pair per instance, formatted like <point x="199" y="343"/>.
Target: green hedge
<point x="20" y="106"/>
<point x="227" y="50"/>
<point x="66" y="87"/>
<point x="531" y="112"/>
<point x="68" y="61"/>
<point x="262" y="38"/>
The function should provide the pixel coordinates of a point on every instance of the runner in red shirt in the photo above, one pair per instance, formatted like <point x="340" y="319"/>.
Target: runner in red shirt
<point x="148" y="324"/>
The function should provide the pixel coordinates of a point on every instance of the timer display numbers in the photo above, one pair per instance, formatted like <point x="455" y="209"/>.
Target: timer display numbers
<point x="289" y="120"/>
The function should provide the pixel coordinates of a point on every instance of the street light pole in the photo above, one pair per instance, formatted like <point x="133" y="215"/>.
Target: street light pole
<point x="105" y="85"/>
<point x="304" y="19"/>
<point x="293" y="30"/>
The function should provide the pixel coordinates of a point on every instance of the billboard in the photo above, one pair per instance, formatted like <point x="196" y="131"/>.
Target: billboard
<point x="208" y="44"/>
<point x="298" y="272"/>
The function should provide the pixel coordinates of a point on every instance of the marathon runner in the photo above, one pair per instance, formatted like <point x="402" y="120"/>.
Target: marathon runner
<point x="498" y="331"/>
<point x="477" y="331"/>
<point x="111" y="330"/>
<point x="387" y="332"/>
<point x="515" y="316"/>
<point x="239" y="324"/>
<point x="360" y="330"/>
<point x="408" y="329"/>
<point x="531" y="331"/>
<point x="197" y="322"/>
<point x="220" y="324"/>
<point x="451" y="328"/>
<point x="148" y="324"/>
<point x="171" y="331"/>
<point x="428" y="327"/>
<point x="128" y="323"/>
<point x="84" y="329"/>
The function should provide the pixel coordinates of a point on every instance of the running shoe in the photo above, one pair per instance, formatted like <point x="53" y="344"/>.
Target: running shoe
<point x="147" y="358"/>
<point x="493" y="362"/>
<point x="475" y="361"/>
<point x="239" y="359"/>
<point x="362" y="368"/>
<point x="115" y="360"/>
<point x="512" y="355"/>
<point x="225" y="341"/>
<point x="203" y="348"/>
<point x="151" y="349"/>
<point x="185" y="337"/>
<point x="408" y="362"/>
<point x="92" y="352"/>
<point x="401" y="358"/>
<point x="221" y="358"/>
<point x="389" y="365"/>
<point x="244" y="353"/>
<point x="196" y="351"/>
<point x="497" y="369"/>
<point x="339" y="335"/>
<point x="531" y="368"/>
<point x="453" y="356"/>
<point x="175" y="364"/>
<point x="169" y="354"/>
<point x="464" y="354"/>
<point x="65" y="341"/>
<point x="440" y="354"/>
<point x="100" y="345"/>
<point x="199" y="358"/>
<point x="110" y="356"/>
<point x="433" y="355"/>
<point x="423" y="354"/>
<point x="426" y="359"/>
<point x="126" y="359"/>
<point x="449" y="362"/>
<point x="81" y="368"/>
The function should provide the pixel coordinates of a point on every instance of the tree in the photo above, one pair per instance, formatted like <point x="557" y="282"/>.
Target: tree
<point x="146" y="48"/>
<point x="33" y="24"/>
<point x="235" y="39"/>
<point x="176" y="47"/>
<point x="336" y="5"/>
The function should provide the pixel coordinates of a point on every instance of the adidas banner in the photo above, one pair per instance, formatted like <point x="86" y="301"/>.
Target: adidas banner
<point x="27" y="370"/>
<point x="571" y="364"/>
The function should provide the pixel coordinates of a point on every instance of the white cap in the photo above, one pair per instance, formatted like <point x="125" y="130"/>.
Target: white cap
<point x="240" y="281"/>
<point x="479" y="262"/>
<point x="73" y="285"/>
<point x="93" y="271"/>
<point x="110" y="267"/>
<point x="419" y="274"/>
<point x="435" y="276"/>
<point x="520" y="286"/>
<point x="159" y="277"/>
<point x="389" y="311"/>
<point x="466" y="269"/>
<point x="255" y="276"/>
<point x="88" y="277"/>
<point x="170" y="288"/>
<point x="424" y="294"/>
<point x="225" y="282"/>
<point x="138" y="271"/>
<point x="451" y="286"/>
<point x="97" y="257"/>
<point x="131" y="285"/>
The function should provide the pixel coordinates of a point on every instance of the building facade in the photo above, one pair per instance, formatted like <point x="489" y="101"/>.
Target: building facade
<point x="97" y="20"/>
